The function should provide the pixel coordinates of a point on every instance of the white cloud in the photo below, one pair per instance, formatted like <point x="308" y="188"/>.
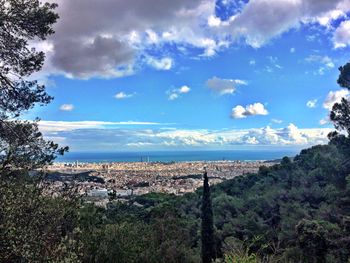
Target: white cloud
<point x="252" y="140"/>
<point x="280" y="16"/>
<point x="184" y="89"/>
<point x="214" y="21"/>
<point x="311" y="103"/>
<point x="335" y="97"/>
<point x="67" y="107"/>
<point x="224" y="86"/>
<point x="56" y="126"/>
<point x="341" y="36"/>
<point x="296" y="135"/>
<point x="327" y="18"/>
<point x="122" y="95"/>
<point x="240" y="112"/>
<point x="160" y="64"/>
<point x="292" y="50"/>
<point x="325" y="60"/>
<point x="175" y="93"/>
<point x="173" y="96"/>
<point x="85" y="135"/>
<point x="152" y="37"/>
<point x="252" y="62"/>
<point x="276" y="121"/>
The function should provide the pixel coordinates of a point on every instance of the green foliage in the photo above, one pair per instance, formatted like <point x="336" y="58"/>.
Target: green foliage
<point x="21" y="22"/>
<point x="299" y="210"/>
<point x="271" y="204"/>
<point x="133" y="234"/>
<point x="241" y="258"/>
<point x="152" y="199"/>
<point x="34" y="228"/>
<point x="344" y="76"/>
<point x="315" y="238"/>
<point x="22" y="146"/>
<point x="340" y="114"/>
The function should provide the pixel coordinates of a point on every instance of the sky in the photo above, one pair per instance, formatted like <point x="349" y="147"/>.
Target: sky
<point x="142" y="75"/>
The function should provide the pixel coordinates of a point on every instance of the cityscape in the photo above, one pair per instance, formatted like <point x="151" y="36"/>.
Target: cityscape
<point x="125" y="179"/>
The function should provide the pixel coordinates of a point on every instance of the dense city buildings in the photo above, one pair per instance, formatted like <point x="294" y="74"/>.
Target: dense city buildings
<point x="124" y="179"/>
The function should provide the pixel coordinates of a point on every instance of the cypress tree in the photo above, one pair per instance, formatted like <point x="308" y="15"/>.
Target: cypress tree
<point x="207" y="230"/>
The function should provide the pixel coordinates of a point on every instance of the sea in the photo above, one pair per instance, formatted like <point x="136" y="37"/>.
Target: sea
<point x="175" y="156"/>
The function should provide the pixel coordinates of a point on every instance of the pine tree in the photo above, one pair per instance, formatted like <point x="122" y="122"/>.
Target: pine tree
<point x="22" y="146"/>
<point x="208" y="253"/>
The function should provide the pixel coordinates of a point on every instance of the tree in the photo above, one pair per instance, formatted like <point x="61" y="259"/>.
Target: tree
<point x="344" y="76"/>
<point x="314" y="239"/>
<point x="24" y="147"/>
<point x="340" y="114"/>
<point x="20" y="22"/>
<point x="21" y="144"/>
<point x="33" y="227"/>
<point x="208" y="253"/>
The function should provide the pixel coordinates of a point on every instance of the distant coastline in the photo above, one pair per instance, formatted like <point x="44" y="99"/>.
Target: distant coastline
<point x="175" y="156"/>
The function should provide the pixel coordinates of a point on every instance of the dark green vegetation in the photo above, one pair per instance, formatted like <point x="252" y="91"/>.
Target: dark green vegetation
<point x="22" y="147"/>
<point x="295" y="211"/>
<point x="292" y="212"/>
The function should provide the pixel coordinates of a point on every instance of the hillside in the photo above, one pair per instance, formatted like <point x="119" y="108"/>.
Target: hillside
<point x="295" y="211"/>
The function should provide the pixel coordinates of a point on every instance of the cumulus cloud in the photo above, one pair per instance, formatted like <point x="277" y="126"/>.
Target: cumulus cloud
<point x="214" y="21"/>
<point x="184" y="89"/>
<point x="280" y="16"/>
<point x="101" y="56"/>
<point x="224" y="86"/>
<point x="107" y="39"/>
<point x="335" y="97"/>
<point x="108" y="36"/>
<point x="160" y="64"/>
<point x="341" y="37"/>
<point x="311" y="103"/>
<point x="173" y="96"/>
<point x="122" y="95"/>
<point x="109" y="135"/>
<point x="240" y="112"/>
<point x="175" y="93"/>
<point x="296" y="135"/>
<point x="67" y="107"/>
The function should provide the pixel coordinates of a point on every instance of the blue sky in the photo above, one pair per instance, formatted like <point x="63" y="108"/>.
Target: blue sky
<point x="193" y="74"/>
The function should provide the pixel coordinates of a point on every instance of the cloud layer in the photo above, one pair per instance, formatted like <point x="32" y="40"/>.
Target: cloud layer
<point x="87" y="135"/>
